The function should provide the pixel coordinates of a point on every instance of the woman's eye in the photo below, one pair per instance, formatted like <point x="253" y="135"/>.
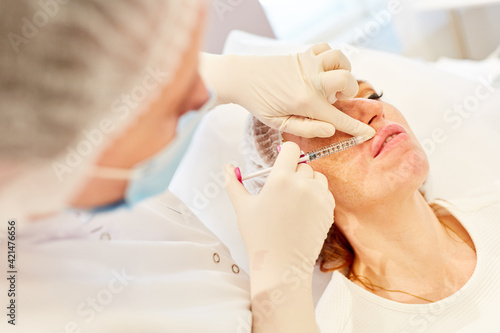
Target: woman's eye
<point x="375" y="96"/>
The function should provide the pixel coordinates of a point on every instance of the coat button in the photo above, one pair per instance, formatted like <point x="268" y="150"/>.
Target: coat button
<point x="105" y="236"/>
<point x="236" y="269"/>
<point x="216" y="258"/>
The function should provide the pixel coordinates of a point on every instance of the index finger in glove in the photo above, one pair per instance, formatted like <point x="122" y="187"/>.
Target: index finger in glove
<point x="333" y="60"/>
<point x="307" y="128"/>
<point x="339" y="85"/>
<point x="305" y="171"/>
<point x="325" y="120"/>
<point x="288" y="158"/>
<point x="320" y="48"/>
<point x="344" y="122"/>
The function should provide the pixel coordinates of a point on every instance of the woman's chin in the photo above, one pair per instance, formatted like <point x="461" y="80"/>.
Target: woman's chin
<point x="410" y="173"/>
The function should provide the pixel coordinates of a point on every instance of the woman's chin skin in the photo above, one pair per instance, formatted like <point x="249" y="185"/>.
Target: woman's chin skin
<point x="356" y="189"/>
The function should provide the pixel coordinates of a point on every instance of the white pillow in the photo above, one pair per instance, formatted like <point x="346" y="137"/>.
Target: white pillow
<point x="463" y="151"/>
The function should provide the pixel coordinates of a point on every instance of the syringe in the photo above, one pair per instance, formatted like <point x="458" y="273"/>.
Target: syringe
<point x="313" y="155"/>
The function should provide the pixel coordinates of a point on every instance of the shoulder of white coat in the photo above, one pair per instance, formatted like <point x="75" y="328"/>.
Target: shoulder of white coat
<point x="334" y="308"/>
<point x="177" y="219"/>
<point x="169" y="206"/>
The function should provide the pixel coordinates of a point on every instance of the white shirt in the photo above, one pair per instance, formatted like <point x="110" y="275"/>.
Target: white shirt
<point x="346" y="307"/>
<point x="155" y="268"/>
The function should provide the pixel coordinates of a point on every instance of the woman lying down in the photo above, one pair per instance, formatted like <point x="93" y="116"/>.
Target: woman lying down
<point x="401" y="264"/>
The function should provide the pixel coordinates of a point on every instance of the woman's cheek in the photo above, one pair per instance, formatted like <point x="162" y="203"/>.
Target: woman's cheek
<point x="333" y="171"/>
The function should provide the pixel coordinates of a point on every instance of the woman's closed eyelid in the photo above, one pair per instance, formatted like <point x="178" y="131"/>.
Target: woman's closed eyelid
<point x="375" y="95"/>
<point x="367" y="91"/>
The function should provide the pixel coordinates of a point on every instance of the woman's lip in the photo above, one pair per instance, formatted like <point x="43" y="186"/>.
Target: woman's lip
<point x="382" y="134"/>
<point x="394" y="141"/>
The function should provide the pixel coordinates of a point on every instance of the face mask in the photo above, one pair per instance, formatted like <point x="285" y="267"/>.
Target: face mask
<point x="152" y="176"/>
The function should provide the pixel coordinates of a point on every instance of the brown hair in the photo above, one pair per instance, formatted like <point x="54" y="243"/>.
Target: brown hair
<point x="337" y="252"/>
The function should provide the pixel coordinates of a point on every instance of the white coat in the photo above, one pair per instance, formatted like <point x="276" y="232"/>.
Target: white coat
<point x="154" y="268"/>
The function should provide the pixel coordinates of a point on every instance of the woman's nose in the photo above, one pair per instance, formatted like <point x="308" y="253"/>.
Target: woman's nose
<point x="362" y="109"/>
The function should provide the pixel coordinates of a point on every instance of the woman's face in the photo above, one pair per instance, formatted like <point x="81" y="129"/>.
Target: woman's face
<point x="374" y="171"/>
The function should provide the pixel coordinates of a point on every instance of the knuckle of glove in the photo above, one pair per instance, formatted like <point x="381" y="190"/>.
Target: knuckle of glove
<point x="303" y="101"/>
<point x="303" y="186"/>
<point x="280" y="178"/>
<point x="299" y="187"/>
<point x="343" y="76"/>
<point x="337" y="55"/>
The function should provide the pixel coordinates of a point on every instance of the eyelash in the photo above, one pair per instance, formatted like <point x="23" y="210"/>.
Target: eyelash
<point x="376" y="96"/>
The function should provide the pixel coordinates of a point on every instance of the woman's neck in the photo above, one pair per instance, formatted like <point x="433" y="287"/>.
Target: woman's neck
<point x="403" y="246"/>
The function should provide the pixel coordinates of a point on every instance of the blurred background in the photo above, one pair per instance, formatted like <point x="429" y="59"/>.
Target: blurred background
<point x="425" y="29"/>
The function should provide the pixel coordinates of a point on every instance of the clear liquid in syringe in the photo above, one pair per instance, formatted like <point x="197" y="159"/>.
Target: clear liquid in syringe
<point x="333" y="148"/>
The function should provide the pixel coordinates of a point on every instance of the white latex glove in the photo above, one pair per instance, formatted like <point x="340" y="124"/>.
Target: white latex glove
<point x="286" y="224"/>
<point x="291" y="93"/>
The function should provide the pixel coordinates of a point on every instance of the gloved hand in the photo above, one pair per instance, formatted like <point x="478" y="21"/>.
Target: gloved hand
<point x="285" y="225"/>
<point x="291" y="93"/>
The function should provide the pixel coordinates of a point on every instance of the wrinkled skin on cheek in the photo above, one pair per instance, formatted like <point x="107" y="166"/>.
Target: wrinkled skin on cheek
<point x="340" y="168"/>
<point x="340" y="182"/>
